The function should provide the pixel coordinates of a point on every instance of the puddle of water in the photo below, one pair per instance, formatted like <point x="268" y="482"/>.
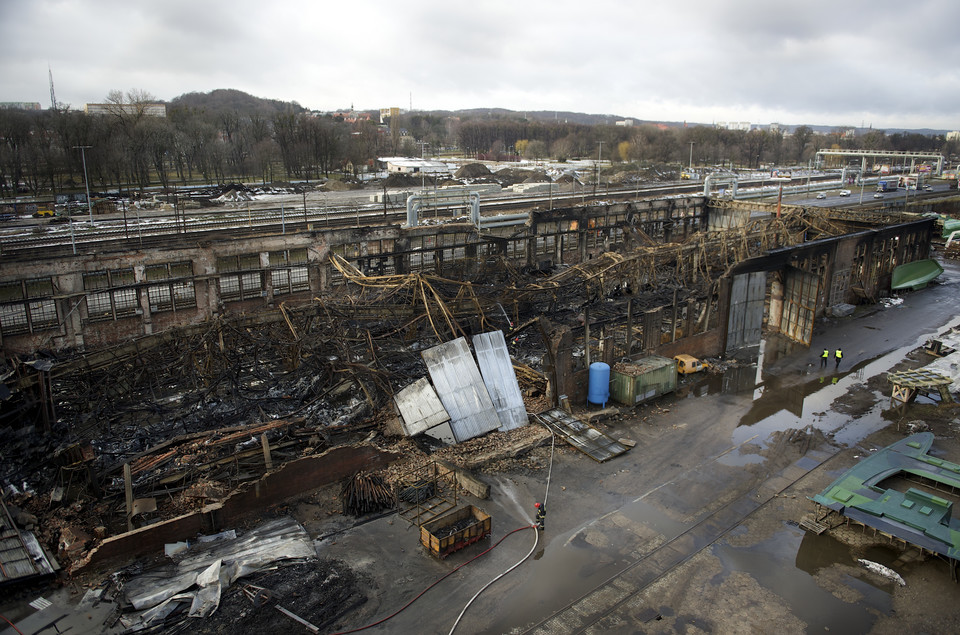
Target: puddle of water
<point x="566" y="566"/>
<point x="779" y="405"/>
<point x="887" y="556"/>
<point x="649" y="515"/>
<point x="737" y="459"/>
<point x="777" y="564"/>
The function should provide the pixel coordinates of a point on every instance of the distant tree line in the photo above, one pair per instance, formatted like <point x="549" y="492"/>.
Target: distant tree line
<point x="227" y="136"/>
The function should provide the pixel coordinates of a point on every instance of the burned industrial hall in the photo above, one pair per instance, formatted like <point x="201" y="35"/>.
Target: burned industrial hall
<point x="161" y="388"/>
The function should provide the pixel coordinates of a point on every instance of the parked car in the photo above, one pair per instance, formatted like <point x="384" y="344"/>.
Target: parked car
<point x="878" y="195"/>
<point x="844" y="192"/>
<point x="822" y="195"/>
<point x="928" y="187"/>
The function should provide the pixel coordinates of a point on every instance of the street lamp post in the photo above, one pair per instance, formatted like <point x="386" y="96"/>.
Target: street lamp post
<point x="86" y="181"/>
<point x="423" y="185"/>
<point x="691" y="157"/>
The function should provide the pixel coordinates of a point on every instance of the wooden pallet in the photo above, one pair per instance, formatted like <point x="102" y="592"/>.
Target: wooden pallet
<point x="811" y="525"/>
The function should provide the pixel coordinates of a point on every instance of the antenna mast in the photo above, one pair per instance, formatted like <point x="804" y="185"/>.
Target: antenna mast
<point x="53" y="95"/>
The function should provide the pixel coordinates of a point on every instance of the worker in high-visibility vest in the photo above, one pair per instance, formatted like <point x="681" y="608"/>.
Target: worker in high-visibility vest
<point x="837" y="357"/>
<point x="824" y="357"/>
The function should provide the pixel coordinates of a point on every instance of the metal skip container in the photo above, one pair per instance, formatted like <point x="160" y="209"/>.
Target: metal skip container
<point x="454" y="531"/>
<point x="636" y="381"/>
<point x="598" y="388"/>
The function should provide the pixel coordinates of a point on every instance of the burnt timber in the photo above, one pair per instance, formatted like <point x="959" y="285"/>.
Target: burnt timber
<point x="144" y="346"/>
<point x="626" y="278"/>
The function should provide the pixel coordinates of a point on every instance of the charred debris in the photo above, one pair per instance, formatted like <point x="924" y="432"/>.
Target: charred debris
<point x="97" y="443"/>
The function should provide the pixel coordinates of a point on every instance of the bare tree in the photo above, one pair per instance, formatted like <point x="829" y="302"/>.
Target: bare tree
<point x="802" y="135"/>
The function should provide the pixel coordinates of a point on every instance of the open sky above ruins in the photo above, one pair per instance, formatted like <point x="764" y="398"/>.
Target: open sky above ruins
<point x="882" y="63"/>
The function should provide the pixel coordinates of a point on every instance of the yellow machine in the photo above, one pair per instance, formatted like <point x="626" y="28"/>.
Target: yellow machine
<point x="689" y="364"/>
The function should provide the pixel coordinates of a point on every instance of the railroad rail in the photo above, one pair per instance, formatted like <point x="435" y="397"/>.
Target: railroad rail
<point x="149" y="229"/>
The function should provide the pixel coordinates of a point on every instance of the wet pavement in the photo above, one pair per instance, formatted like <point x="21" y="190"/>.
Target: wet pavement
<point x="708" y="460"/>
<point x="693" y="527"/>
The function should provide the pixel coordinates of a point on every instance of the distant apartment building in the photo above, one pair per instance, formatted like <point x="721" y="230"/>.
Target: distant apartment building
<point x="953" y="135"/>
<point x="734" y="125"/>
<point x="626" y="123"/>
<point x="390" y="113"/>
<point x="149" y="110"/>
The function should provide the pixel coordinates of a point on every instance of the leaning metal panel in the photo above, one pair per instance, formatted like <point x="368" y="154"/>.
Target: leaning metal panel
<point x="500" y="379"/>
<point x="461" y="389"/>
<point x="420" y="408"/>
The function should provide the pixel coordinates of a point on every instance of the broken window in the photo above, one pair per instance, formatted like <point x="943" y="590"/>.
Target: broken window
<point x="246" y="284"/>
<point x="172" y="294"/>
<point x="290" y="280"/>
<point x="241" y="287"/>
<point x="288" y="257"/>
<point x="13" y="319"/>
<point x="107" y="302"/>
<point x="28" y="306"/>
<point x="160" y="297"/>
<point x="126" y="302"/>
<point x="99" y="307"/>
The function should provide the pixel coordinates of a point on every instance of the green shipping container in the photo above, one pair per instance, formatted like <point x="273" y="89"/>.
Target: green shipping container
<point x="640" y="380"/>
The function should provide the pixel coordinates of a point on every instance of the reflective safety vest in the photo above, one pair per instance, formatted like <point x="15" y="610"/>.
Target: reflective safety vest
<point x="839" y="354"/>
<point x="826" y="353"/>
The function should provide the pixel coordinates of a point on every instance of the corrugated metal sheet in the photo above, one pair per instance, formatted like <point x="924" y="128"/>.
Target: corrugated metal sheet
<point x="500" y="379"/>
<point x="746" y="310"/>
<point x="276" y="540"/>
<point x="461" y="389"/>
<point x="21" y="556"/>
<point x="420" y="408"/>
<point x="582" y="436"/>
<point x="442" y="433"/>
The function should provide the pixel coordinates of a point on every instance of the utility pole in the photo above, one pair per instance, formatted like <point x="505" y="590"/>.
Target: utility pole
<point x="86" y="181"/>
<point x="691" y="158"/>
<point x="596" y="184"/>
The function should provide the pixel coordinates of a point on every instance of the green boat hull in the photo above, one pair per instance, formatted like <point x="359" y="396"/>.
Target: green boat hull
<point x="915" y="275"/>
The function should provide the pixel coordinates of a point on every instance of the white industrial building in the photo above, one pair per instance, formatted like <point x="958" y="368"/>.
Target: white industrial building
<point x="407" y="165"/>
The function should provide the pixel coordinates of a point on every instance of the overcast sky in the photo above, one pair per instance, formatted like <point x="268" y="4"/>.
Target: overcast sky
<point x="889" y="64"/>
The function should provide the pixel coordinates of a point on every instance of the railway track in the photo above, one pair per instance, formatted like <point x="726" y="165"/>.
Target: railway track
<point x="153" y="230"/>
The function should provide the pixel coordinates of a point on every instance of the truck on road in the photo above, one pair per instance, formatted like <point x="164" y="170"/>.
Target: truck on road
<point x="888" y="184"/>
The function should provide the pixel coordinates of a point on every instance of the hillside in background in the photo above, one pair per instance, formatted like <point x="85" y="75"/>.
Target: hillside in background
<point x="246" y="104"/>
<point x="563" y="116"/>
<point x="235" y="100"/>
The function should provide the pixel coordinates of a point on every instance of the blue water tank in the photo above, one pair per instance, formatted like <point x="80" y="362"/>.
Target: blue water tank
<point x="598" y="390"/>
